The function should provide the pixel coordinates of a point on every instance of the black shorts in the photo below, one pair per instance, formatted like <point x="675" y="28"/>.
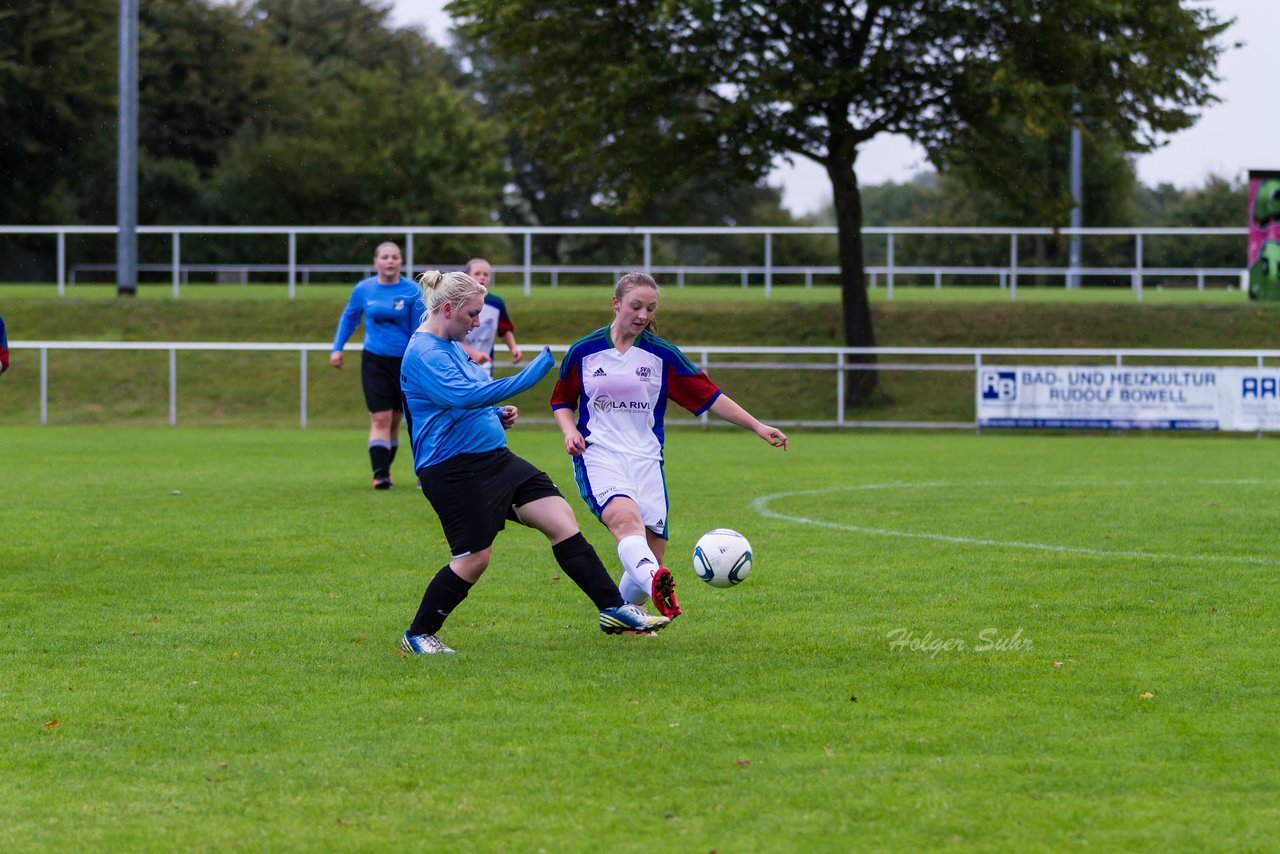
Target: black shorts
<point x="475" y="494"/>
<point x="380" y="377"/>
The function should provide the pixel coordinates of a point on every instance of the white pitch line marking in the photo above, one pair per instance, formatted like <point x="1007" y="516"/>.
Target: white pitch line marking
<point x="761" y="506"/>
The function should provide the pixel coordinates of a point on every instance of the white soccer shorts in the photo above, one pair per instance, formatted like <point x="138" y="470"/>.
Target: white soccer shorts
<point x="603" y="475"/>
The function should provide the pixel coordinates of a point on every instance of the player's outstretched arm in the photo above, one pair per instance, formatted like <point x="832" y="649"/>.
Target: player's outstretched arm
<point x="725" y="407"/>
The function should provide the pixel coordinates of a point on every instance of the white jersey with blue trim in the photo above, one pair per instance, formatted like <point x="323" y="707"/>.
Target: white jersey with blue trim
<point x="621" y="398"/>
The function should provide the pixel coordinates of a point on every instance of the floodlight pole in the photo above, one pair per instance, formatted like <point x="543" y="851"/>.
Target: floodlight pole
<point x="127" y="155"/>
<point x="1077" y="193"/>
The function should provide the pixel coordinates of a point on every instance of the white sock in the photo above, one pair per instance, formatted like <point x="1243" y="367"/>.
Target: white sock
<point x="631" y="594"/>
<point x="638" y="562"/>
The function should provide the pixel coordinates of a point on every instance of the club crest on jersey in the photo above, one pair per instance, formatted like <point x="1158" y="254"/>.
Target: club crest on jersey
<point x="644" y="372"/>
<point x="398" y="305"/>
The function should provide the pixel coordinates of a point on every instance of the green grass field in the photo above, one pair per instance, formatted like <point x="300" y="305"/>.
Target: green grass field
<point x="992" y="642"/>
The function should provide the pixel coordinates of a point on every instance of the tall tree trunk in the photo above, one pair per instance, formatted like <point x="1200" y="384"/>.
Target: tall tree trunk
<point x="862" y="385"/>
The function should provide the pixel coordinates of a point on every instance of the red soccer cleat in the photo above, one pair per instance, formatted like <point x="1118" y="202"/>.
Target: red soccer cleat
<point x="663" y="592"/>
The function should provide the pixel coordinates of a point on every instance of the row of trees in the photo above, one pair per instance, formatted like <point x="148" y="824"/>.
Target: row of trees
<point x="592" y="112"/>
<point x="270" y="111"/>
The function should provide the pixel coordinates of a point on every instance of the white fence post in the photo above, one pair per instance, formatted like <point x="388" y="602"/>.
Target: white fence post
<point x="176" y="260"/>
<point x="840" y="389"/>
<point x="62" y="262"/>
<point x="528" y="263"/>
<point x="889" y="262"/>
<point x="768" y="265"/>
<point x="977" y="376"/>
<point x="1013" y="268"/>
<point x="293" y="263"/>
<point x="44" y="385"/>
<point x="1137" y="269"/>
<point x="173" y="387"/>
<point x="302" y="383"/>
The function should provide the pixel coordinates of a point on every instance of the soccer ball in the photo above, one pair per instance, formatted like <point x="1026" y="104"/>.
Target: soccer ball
<point x="722" y="558"/>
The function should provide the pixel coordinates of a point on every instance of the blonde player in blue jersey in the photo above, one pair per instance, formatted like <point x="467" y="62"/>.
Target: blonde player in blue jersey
<point x="495" y="323"/>
<point x="475" y="484"/>
<point x="391" y="306"/>
<point x="609" y="402"/>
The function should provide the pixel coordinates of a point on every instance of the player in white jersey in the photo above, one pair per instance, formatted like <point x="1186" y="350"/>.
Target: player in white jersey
<point x="610" y="402"/>
<point x="495" y="323"/>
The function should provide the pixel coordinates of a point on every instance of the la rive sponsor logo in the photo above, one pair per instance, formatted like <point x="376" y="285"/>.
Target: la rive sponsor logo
<point x="606" y="405"/>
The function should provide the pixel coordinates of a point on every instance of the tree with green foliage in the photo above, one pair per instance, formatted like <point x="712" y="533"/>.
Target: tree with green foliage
<point x="257" y="112"/>
<point x="57" y="81"/>
<point x="537" y="195"/>
<point x="645" y="94"/>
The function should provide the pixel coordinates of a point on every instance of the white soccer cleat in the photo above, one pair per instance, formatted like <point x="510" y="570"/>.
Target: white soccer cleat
<point x="423" y="644"/>
<point x="630" y="620"/>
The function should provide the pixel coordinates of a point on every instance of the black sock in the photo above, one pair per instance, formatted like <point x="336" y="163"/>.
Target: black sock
<point x="444" y="593"/>
<point x="581" y="563"/>
<point x="395" y="446"/>
<point x="380" y="457"/>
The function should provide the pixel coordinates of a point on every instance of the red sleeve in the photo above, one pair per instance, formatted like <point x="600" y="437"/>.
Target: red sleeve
<point x="695" y="392"/>
<point x="4" y="359"/>
<point x="504" y="325"/>
<point x="567" y="391"/>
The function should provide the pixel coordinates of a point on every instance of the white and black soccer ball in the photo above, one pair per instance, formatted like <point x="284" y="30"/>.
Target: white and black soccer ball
<point x="722" y="558"/>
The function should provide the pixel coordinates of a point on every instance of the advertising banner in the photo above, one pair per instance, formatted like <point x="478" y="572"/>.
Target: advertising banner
<point x="1129" y="398"/>
<point x="1264" y="235"/>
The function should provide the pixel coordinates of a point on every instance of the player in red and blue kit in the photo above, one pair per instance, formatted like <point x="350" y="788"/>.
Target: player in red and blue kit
<point x="4" y="349"/>
<point x="610" y="402"/>
<point x="392" y="309"/>
<point x="495" y="323"/>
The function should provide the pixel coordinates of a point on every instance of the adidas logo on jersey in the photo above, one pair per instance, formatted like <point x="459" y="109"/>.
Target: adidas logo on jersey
<point x="599" y="373"/>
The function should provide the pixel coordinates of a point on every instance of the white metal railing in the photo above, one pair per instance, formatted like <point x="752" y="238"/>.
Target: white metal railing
<point x="767" y="270"/>
<point x="1006" y="277"/>
<point x="840" y="360"/>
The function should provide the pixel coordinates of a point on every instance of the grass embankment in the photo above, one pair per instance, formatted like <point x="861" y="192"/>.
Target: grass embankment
<point x="249" y="389"/>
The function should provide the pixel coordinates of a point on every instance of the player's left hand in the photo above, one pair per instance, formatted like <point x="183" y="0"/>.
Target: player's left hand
<point x="516" y="355"/>
<point x="508" y="417"/>
<point x="773" y="436"/>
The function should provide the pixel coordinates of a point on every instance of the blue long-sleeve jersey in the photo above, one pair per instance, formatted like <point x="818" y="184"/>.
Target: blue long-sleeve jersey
<point x="450" y="404"/>
<point x="391" y="314"/>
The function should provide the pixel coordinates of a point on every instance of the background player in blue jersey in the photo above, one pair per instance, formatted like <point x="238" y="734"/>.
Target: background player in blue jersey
<point x="610" y="402"/>
<point x="495" y="323"/>
<point x="391" y="307"/>
<point x="474" y="483"/>
<point x="4" y="349"/>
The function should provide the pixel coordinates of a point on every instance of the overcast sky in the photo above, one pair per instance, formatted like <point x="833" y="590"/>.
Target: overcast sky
<point x="1241" y="133"/>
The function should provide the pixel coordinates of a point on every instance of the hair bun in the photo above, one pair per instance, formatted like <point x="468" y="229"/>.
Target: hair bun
<point x="431" y="279"/>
